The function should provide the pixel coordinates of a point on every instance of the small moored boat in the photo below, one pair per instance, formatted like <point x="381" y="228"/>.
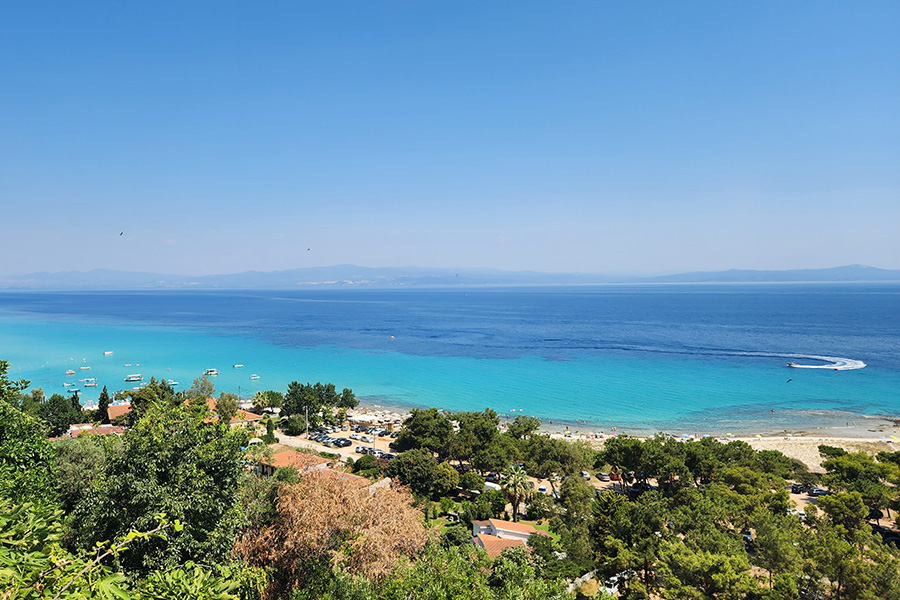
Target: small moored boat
<point x="254" y="376"/>
<point x="237" y="366"/>
<point x="211" y="372"/>
<point x="70" y="372"/>
<point x="135" y="377"/>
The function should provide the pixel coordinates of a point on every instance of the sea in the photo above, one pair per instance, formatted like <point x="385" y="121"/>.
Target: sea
<point x="704" y="359"/>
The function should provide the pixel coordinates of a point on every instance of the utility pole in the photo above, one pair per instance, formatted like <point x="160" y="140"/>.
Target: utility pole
<point x="306" y="409"/>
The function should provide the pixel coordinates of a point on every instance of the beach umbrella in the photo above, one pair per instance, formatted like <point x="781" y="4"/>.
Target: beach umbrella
<point x="893" y="437"/>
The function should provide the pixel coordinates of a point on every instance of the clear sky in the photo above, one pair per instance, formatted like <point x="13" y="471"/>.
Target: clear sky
<point x="603" y="137"/>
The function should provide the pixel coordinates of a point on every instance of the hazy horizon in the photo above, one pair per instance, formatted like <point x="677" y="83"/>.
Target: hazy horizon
<point x="217" y="138"/>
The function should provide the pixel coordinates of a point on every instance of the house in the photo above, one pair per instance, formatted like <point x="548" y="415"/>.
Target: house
<point x="495" y="535"/>
<point x="493" y="545"/>
<point x="118" y="409"/>
<point x="80" y="430"/>
<point x="241" y="416"/>
<point x="300" y="461"/>
<point x="505" y="529"/>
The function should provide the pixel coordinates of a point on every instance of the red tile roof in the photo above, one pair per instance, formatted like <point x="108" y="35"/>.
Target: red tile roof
<point x="516" y="527"/>
<point x="117" y="410"/>
<point x="493" y="545"/>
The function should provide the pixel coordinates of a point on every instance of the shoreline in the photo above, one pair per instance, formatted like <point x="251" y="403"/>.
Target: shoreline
<point x="820" y="424"/>
<point x="875" y="434"/>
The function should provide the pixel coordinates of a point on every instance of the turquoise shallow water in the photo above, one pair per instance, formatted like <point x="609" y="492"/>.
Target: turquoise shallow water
<point x="643" y="386"/>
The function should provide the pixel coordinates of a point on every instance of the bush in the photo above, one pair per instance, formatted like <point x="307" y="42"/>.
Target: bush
<point x="295" y="425"/>
<point x="471" y="481"/>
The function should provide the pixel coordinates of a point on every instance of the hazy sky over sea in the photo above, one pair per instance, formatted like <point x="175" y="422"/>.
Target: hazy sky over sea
<point x="598" y="137"/>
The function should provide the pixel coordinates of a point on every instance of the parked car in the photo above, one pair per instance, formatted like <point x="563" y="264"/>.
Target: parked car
<point x="585" y="474"/>
<point x="798" y="488"/>
<point x="342" y="442"/>
<point x="354" y="436"/>
<point x="815" y="492"/>
<point x="367" y="439"/>
<point x="361" y="450"/>
<point x="542" y="489"/>
<point x="603" y="476"/>
<point x="394" y="434"/>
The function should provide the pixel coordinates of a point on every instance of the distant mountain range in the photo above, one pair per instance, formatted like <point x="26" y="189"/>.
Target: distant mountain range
<point x="354" y="276"/>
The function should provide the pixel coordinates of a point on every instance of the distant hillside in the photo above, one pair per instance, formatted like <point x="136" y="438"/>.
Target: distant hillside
<point x="355" y="276"/>
<point x="834" y="274"/>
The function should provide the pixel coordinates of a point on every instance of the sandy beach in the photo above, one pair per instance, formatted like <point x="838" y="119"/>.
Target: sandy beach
<point x="800" y="445"/>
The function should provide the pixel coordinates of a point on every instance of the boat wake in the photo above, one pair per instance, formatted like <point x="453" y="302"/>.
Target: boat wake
<point x="834" y="363"/>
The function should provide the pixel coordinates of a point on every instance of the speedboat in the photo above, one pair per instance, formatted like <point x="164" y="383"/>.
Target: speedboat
<point x="793" y="365"/>
<point x="108" y="353"/>
<point x="254" y="376"/>
<point x="70" y="372"/>
<point x="84" y="368"/>
<point x="135" y="377"/>
<point x="90" y="384"/>
<point x="171" y="382"/>
<point x="237" y="366"/>
<point x="211" y="372"/>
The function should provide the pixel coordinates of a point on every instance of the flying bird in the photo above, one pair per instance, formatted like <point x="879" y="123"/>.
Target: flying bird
<point x="789" y="380"/>
<point x="121" y="233"/>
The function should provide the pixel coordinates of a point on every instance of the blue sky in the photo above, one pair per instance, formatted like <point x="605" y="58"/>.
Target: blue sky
<point x="640" y="138"/>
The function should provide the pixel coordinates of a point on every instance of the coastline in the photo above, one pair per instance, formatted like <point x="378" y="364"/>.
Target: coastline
<point x="876" y="434"/>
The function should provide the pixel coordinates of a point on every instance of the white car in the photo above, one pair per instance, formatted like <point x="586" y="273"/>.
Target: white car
<point x="366" y="438"/>
<point x="354" y="436"/>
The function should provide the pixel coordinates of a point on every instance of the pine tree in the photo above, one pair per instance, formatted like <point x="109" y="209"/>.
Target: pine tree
<point x="103" y="407"/>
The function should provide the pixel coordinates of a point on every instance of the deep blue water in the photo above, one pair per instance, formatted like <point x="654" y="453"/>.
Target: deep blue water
<point x="657" y="357"/>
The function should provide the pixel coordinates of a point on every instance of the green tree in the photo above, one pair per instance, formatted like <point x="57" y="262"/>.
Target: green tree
<point x="348" y="399"/>
<point x="77" y="464"/>
<point x="9" y="390"/>
<point x="25" y="457"/>
<point x="416" y="468"/>
<point x="59" y="412"/>
<point x="517" y="488"/>
<point x="429" y="430"/>
<point x="446" y="479"/>
<point x="470" y="480"/>
<point x="202" y="387"/>
<point x="155" y="392"/>
<point x="227" y="406"/>
<point x="103" y="407"/>
<point x="691" y="572"/>
<point x="295" y="425"/>
<point x="846" y="510"/>
<point x="267" y="399"/>
<point x="175" y="462"/>
<point x="523" y="427"/>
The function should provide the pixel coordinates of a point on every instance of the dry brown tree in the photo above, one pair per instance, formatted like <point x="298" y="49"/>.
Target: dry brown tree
<point x="325" y="522"/>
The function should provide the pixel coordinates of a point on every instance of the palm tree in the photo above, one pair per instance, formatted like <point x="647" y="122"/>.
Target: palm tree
<point x="516" y="486"/>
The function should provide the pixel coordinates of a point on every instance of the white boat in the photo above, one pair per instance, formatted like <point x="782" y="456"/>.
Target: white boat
<point x="70" y="372"/>
<point x="254" y="376"/>
<point x="108" y="353"/>
<point x="211" y="372"/>
<point x="237" y="366"/>
<point x="84" y="368"/>
<point x="90" y="384"/>
<point x="68" y="384"/>
<point x="171" y="382"/>
<point x="135" y="377"/>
